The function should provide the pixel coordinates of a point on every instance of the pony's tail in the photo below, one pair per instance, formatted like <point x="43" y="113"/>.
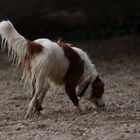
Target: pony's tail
<point x="16" y="43"/>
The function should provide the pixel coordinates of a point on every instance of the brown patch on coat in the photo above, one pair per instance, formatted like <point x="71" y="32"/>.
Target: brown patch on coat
<point x="75" y="71"/>
<point x="97" y="88"/>
<point x="76" y="64"/>
<point x="33" y="49"/>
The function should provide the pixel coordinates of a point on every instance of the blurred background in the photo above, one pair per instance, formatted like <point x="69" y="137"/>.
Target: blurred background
<point x="109" y="31"/>
<point x="73" y="19"/>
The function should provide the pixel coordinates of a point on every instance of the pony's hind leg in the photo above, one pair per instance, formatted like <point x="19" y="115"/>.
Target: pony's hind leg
<point x="38" y="106"/>
<point x="44" y="91"/>
<point x="39" y="85"/>
<point x="40" y="100"/>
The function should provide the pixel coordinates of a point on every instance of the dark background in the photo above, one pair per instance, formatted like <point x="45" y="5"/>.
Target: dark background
<point x="109" y="32"/>
<point x="73" y="19"/>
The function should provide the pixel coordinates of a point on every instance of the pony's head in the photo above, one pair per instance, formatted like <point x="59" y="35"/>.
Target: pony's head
<point x="97" y="92"/>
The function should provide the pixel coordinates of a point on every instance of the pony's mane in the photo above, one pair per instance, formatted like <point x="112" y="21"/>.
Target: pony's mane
<point x="12" y="41"/>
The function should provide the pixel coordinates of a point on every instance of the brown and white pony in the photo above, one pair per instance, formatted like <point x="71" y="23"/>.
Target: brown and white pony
<point x="45" y="61"/>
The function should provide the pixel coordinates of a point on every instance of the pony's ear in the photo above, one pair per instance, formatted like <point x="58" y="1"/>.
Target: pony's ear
<point x="97" y="88"/>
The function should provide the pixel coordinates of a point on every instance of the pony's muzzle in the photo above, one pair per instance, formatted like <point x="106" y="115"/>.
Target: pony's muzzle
<point x="99" y="102"/>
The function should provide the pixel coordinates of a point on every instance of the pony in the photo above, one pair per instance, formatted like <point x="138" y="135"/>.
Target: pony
<point x="44" y="61"/>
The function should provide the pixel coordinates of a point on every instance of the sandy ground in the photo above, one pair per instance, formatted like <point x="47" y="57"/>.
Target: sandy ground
<point x="117" y="60"/>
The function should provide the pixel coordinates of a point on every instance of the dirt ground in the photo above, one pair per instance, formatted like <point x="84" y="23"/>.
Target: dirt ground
<point x="117" y="60"/>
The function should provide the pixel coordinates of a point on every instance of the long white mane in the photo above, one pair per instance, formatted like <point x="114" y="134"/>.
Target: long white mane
<point x="11" y="39"/>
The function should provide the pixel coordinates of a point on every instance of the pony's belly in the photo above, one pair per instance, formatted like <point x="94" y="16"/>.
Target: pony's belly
<point x="57" y="74"/>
